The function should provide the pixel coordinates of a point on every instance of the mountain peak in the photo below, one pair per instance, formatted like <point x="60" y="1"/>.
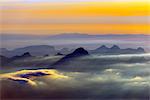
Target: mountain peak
<point x="115" y="47"/>
<point x="103" y="47"/>
<point x="140" y="49"/>
<point x="80" y="51"/>
<point x="77" y="53"/>
<point x="27" y="54"/>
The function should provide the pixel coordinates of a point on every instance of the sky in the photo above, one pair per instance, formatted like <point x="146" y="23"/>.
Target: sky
<point x="46" y="17"/>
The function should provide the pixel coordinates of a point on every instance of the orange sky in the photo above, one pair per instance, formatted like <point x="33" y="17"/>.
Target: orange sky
<point x="81" y="17"/>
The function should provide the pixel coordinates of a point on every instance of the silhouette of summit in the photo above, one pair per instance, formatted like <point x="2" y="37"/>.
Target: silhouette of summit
<point x="115" y="47"/>
<point x="77" y="53"/>
<point x="140" y="49"/>
<point x="59" y="54"/>
<point x="27" y="54"/>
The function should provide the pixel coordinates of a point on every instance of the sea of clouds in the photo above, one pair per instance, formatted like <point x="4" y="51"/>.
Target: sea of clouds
<point x="91" y="77"/>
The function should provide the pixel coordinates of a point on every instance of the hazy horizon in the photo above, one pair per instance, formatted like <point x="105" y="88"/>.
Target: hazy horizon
<point x="75" y="40"/>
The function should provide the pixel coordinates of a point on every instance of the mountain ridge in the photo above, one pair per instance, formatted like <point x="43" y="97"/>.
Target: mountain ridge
<point x="35" y="50"/>
<point x="117" y="50"/>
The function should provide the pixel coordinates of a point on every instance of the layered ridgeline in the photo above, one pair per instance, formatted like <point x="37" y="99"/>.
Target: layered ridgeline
<point x="117" y="50"/>
<point x="78" y="60"/>
<point x="41" y="50"/>
<point x="82" y="60"/>
<point x="5" y="60"/>
<point x="36" y="50"/>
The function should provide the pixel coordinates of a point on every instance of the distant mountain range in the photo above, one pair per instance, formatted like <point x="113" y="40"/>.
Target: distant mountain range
<point x="36" y="50"/>
<point x="99" y="36"/>
<point x="5" y="60"/>
<point x="74" y="61"/>
<point x="59" y="59"/>
<point x="41" y="50"/>
<point x="75" y="40"/>
<point x="117" y="50"/>
<point x="71" y="35"/>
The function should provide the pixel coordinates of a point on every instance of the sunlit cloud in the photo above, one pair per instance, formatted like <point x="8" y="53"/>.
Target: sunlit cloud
<point x="28" y="76"/>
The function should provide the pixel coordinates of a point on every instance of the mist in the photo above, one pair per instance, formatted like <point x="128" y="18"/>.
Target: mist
<point x="89" y="77"/>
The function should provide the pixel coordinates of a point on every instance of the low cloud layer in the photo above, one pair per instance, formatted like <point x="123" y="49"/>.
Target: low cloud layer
<point x="112" y="81"/>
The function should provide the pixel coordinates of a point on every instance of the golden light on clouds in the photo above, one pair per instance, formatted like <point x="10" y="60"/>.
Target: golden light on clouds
<point x="28" y="76"/>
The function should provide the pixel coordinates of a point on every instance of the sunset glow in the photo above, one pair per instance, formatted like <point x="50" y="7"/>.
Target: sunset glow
<point x="126" y="17"/>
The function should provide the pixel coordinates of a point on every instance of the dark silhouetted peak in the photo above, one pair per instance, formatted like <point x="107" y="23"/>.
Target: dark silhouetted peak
<point x="103" y="46"/>
<point x="140" y="49"/>
<point x="59" y="54"/>
<point x="27" y="54"/>
<point x="115" y="47"/>
<point x="80" y="51"/>
<point x="77" y="53"/>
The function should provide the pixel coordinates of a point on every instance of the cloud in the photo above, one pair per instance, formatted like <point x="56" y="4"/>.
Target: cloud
<point x="92" y="81"/>
<point x="28" y="76"/>
<point x="107" y="84"/>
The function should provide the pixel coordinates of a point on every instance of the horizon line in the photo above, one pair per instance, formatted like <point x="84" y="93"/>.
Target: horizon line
<point x="72" y="33"/>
